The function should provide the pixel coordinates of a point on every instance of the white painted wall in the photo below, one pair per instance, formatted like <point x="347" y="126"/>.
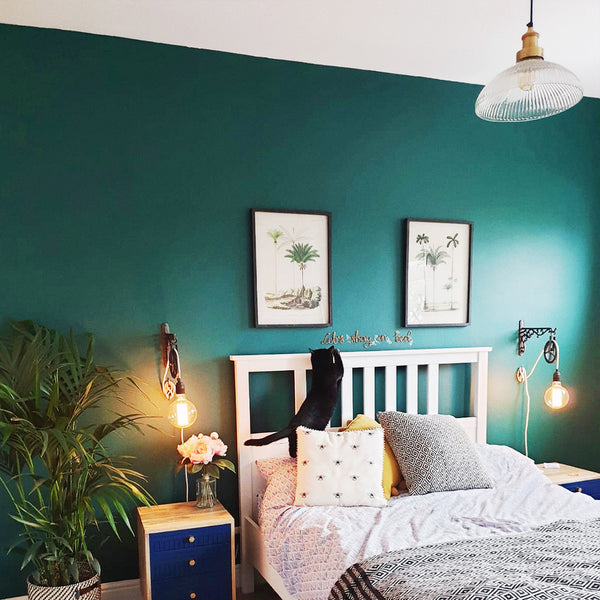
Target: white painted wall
<point x="463" y="40"/>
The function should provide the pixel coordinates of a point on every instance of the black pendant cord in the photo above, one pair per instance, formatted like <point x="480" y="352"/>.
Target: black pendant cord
<point x="530" y="24"/>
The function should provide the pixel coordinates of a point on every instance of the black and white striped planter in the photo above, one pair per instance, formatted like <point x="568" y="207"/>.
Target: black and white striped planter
<point x="83" y="590"/>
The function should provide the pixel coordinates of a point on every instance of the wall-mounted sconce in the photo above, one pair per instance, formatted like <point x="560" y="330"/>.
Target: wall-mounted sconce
<point x="528" y="332"/>
<point x="555" y="396"/>
<point x="182" y="413"/>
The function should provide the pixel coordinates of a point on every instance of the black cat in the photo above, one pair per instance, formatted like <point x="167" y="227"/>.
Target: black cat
<point x="315" y="412"/>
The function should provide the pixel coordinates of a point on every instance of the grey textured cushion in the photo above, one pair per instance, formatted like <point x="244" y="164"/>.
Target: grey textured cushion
<point x="434" y="453"/>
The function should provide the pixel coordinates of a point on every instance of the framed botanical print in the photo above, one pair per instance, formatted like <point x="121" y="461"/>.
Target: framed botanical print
<point x="292" y="268"/>
<point x="437" y="273"/>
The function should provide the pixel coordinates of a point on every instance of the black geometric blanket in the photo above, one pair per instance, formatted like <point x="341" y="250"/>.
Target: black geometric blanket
<point x="559" y="561"/>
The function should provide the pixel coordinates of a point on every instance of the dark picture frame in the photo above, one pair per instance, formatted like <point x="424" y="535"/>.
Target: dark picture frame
<point x="437" y="273"/>
<point x="292" y="268"/>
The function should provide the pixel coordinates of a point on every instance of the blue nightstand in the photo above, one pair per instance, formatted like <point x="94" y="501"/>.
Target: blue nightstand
<point x="574" y="479"/>
<point x="186" y="553"/>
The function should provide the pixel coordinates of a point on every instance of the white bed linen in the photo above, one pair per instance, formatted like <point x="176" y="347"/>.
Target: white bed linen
<point x="311" y="546"/>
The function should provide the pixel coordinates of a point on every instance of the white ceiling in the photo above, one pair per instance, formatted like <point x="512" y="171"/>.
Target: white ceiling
<point x="463" y="40"/>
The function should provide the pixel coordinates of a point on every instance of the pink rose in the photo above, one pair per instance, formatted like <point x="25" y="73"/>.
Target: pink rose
<point x="188" y="446"/>
<point x="201" y="449"/>
<point x="219" y="448"/>
<point x="202" y="453"/>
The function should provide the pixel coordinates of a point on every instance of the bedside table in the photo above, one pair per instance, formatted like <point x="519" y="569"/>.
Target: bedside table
<point x="574" y="479"/>
<point x="186" y="552"/>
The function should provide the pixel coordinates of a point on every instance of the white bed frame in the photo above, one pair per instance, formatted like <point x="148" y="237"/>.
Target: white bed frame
<point x="251" y="483"/>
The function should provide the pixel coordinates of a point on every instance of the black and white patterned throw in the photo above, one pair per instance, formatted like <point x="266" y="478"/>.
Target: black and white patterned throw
<point x="559" y="561"/>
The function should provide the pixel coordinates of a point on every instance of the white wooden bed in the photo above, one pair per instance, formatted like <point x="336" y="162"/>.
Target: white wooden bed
<point x="251" y="482"/>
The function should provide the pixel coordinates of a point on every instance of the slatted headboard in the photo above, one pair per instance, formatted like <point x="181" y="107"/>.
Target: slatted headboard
<point x="250" y="482"/>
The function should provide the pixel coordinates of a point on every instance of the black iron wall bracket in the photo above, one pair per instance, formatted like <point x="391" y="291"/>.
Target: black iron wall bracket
<point x="528" y="332"/>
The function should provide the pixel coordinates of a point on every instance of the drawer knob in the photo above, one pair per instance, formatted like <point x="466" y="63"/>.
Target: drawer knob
<point x="192" y="562"/>
<point x="193" y="595"/>
<point x="191" y="539"/>
<point x="578" y="489"/>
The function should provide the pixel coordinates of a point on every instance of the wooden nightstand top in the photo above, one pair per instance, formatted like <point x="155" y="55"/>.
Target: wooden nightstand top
<point x="181" y="515"/>
<point x="567" y="474"/>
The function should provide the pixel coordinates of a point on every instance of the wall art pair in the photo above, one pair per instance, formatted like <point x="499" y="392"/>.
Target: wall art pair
<point x="292" y="270"/>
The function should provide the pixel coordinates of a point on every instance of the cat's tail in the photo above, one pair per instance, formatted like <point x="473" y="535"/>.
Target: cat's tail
<point x="278" y="435"/>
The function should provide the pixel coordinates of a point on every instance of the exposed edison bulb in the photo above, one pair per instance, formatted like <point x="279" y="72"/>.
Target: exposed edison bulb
<point x="182" y="413"/>
<point x="556" y="396"/>
<point x="526" y="81"/>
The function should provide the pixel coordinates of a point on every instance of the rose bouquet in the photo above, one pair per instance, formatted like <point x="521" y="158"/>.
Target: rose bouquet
<point x="204" y="454"/>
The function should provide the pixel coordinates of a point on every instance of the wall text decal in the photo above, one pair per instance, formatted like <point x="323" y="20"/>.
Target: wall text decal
<point x="332" y="338"/>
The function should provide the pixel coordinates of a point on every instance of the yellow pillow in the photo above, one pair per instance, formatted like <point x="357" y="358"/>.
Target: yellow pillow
<point x="391" y="471"/>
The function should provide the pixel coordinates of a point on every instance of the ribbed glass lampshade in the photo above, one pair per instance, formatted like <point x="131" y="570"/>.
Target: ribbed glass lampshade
<point x="531" y="89"/>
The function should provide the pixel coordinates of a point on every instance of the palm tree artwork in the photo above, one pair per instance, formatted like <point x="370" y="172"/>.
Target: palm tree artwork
<point x="301" y="254"/>
<point x="292" y="268"/>
<point x="434" y="257"/>
<point x="452" y="241"/>
<point x="275" y="234"/>
<point x="438" y="272"/>
<point x="421" y="240"/>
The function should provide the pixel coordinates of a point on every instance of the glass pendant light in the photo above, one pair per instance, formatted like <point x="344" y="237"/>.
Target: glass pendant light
<point x="531" y="89"/>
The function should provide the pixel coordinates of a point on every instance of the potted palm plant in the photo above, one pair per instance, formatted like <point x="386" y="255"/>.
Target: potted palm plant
<point x="55" y="465"/>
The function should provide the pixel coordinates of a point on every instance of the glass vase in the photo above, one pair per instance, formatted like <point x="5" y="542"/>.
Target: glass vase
<point x="206" y="491"/>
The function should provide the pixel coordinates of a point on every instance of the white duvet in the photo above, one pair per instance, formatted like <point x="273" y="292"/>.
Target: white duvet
<point x="311" y="546"/>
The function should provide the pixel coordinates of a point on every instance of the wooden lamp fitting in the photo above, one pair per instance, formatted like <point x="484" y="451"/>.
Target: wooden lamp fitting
<point x="530" y="45"/>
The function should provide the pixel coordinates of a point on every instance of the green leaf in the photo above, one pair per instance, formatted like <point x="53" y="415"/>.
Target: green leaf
<point x="223" y="463"/>
<point x="109" y="516"/>
<point x="212" y="470"/>
<point x="31" y="553"/>
<point x="96" y="566"/>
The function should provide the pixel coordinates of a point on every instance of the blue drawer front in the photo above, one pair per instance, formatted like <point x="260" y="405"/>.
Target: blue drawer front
<point x="205" y="588"/>
<point x="170" y="541"/>
<point x="591" y="487"/>
<point x="177" y="564"/>
<point x="172" y="576"/>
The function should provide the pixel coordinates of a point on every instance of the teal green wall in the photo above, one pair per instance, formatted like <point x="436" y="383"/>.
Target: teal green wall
<point x="128" y="170"/>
